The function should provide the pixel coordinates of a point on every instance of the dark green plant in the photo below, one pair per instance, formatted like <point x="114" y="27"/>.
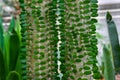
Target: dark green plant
<point x="10" y="41"/>
<point x="13" y="75"/>
<point x="114" y="41"/>
<point x="109" y="72"/>
<point x="24" y="28"/>
<point x="62" y="37"/>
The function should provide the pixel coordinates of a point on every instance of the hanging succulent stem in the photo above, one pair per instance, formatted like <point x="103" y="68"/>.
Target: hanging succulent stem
<point x="40" y="48"/>
<point x="64" y="39"/>
<point x="24" y="26"/>
<point x="72" y="19"/>
<point x="30" y="41"/>
<point x="83" y="34"/>
<point x="51" y="15"/>
<point x="61" y="43"/>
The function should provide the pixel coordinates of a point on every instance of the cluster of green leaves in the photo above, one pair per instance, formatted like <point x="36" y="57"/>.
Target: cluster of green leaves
<point x="40" y="42"/>
<point x="78" y="48"/>
<point x="24" y="27"/>
<point x="93" y="40"/>
<point x="53" y="39"/>
<point x="10" y="41"/>
<point x="57" y="17"/>
<point x="29" y="39"/>
<point x="72" y="40"/>
<point x="62" y="39"/>
<point x="81" y="32"/>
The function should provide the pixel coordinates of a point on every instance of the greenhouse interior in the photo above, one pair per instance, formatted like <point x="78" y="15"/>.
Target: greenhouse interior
<point x="59" y="39"/>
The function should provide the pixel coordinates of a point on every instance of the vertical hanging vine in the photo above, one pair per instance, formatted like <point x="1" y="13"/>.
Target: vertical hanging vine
<point x="54" y="38"/>
<point x="61" y="37"/>
<point x="59" y="10"/>
<point x="40" y="48"/>
<point x="23" y="51"/>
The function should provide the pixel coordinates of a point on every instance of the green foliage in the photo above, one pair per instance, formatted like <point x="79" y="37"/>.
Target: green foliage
<point x="114" y="41"/>
<point x="108" y="17"/>
<point x="2" y="66"/>
<point x="109" y="72"/>
<point x="61" y="38"/>
<point x="1" y="34"/>
<point x="2" y="63"/>
<point x="9" y="49"/>
<point x="13" y="75"/>
<point x="14" y="47"/>
<point x="23" y="50"/>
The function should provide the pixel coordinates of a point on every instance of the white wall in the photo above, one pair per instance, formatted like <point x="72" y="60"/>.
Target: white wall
<point x="108" y="1"/>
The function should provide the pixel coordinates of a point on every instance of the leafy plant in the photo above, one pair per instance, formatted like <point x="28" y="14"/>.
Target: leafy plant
<point x="61" y="37"/>
<point x="109" y="72"/>
<point x="114" y="41"/>
<point x="23" y="50"/>
<point x="9" y="49"/>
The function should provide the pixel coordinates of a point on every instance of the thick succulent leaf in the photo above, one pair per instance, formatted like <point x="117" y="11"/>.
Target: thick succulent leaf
<point x="1" y="51"/>
<point x="109" y="72"/>
<point x="12" y="25"/>
<point x="114" y="41"/>
<point x="6" y="55"/>
<point x="14" y="43"/>
<point x="2" y="54"/>
<point x="108" y="17"/>
<point x="18" y="67"/>
<point x="18" y="28"/>
<point x="6" y="52"/>
<point x="1" y="34"/>
<point x="2" y="67"/>
<point x="14" y="49"/>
